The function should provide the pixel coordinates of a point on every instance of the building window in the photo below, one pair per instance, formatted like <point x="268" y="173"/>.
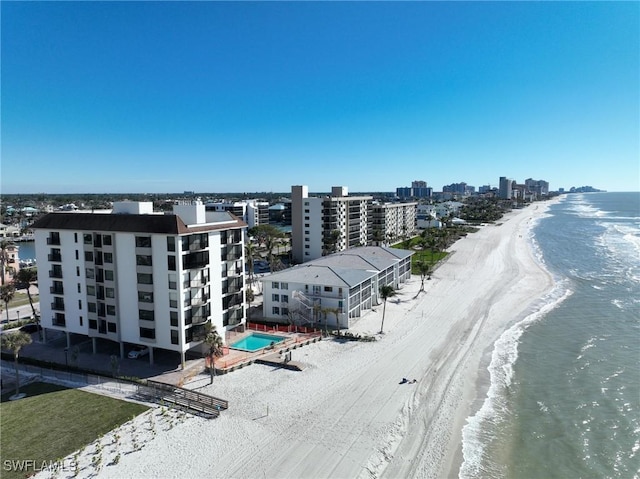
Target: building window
<point x="328" y="289"/>
<point x="80" y="320"/>
<point x="285" y="298"/>
<point x="145" y="278"/>
<point x="79" y="288"/>
<point x="173" y="300"/>
<point x="173" y="318"/>
<point x="77" y="254"/>
<point x="146" y="315"/>
<point x="111" y="310"/>
<point x="110" y="292"/>
<point x="108" y="257"/>
<point x="90" y="273"/>
<point x="93" y="324"/>
<point x="306" y="225"/>
<point x="143" y="260"/>
<point x="108" y="274"/>
<point x="171" y="245"/>
<point x="148" y="333"/>
<point x="285" y="311"/>
<point x="87" y="238"/>
<point x="174" y="337"/>
<point x="173" y="283"/>
<point x="91" y="290"/>
<point x="276" y="311"/>
<point x="284" y="285"/>
<point x="111" y="327"/>
<point x="75" y="238"/>
<point x="171" y="263"/>
<point x="88" y="256"/>
<point x="145" y="296"/>
<point x="77" y="270"/>
<point x="106" y="240"/>
<point x="143" y="241"/>
<point x="275" y="297"/>
<point x="91" y="307"/>
<point x="275" y="285"/>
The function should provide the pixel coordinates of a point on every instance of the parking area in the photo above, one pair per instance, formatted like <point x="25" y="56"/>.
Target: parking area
<point x="80" y="355"/>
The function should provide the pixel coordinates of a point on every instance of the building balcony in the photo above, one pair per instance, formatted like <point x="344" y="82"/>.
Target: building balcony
<point x="53" y="240"/>
<point x="57" y="306"/>
<point x="57" y="257"/>
<point x="59" y="320"/>
<point x="55" y="273"/>
<point x="56" y="290"/>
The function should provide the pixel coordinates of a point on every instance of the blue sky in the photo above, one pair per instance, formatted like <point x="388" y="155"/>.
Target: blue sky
<point x="251" y="97"/>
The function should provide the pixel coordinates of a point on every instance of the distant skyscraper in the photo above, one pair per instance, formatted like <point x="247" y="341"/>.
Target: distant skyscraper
<point x="505" y="189"/>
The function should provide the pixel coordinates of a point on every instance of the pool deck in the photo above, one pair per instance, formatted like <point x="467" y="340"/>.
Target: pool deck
<point x="235" y="358"/>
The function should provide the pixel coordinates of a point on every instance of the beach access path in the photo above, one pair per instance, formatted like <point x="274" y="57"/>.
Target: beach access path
<point x="346" y="414"/>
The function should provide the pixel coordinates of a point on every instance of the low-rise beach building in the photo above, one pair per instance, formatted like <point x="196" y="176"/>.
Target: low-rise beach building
<point x="334" y="290"/>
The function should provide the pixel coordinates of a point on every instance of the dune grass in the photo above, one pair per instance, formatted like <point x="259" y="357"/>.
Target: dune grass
<point x="53" y="422"/>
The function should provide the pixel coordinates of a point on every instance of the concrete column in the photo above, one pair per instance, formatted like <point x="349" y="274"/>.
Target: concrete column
<point x="121" y="350"/>
<point x="182" y="360"/>
<point x="94" y="345"/>
<point x="44" y="335"/>
<point x="150" y="355"/>
<point x="68" y="335"/>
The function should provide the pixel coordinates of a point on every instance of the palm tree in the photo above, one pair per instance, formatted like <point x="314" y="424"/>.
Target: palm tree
<point x="249" y="297"/>
<point x="4" y="258"/>
<point x="7" y="292"/>
<point x="336" y="311"/>
<point x="23" y="280"/>
<point x="425" y="271"/>
<point x="250" y="252"/>
<point x="386" y="291"/>
<point x="214" y="341"/>
<point x="14" y="342"/>
<point x="269" y="235"/>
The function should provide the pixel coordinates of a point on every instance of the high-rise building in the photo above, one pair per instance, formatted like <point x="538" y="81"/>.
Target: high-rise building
<point x="138" y="278"/>
<point x="392" y="222"/>
<point x="505" y="188"/>
<point x="322" y="225"/>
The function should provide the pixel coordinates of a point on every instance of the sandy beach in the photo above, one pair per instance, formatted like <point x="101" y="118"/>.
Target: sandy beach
<point x="346" y="414"/>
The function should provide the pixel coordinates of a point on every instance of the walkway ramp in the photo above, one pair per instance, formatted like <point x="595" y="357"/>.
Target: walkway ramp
<point x="174" y="396"/>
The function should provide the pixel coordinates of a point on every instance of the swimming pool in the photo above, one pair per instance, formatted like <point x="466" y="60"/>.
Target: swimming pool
<point x="256" y="341"/>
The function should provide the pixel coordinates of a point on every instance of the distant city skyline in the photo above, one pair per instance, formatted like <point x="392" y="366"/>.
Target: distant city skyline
<point x="165" y="97"/>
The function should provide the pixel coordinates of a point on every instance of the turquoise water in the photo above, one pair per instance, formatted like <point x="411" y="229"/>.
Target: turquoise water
<point x="564" y="400"/>
<point x="256" y="341"/>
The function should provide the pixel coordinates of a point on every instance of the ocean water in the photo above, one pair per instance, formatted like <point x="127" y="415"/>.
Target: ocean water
<point x="564" y="400"/>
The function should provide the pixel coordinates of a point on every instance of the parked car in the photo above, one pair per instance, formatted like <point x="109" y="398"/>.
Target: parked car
<point x="31" y="328"/>
<point x="138" y="352"/>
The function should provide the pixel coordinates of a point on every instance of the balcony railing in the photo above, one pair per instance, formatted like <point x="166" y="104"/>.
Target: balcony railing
<point x="52" y="240"/>
<point x="55" y="257"/>
<point x="56" y="290"/>
<point x="55" y="273"/>
<point x="59" y="321"/>
<point x="57" y="306"/>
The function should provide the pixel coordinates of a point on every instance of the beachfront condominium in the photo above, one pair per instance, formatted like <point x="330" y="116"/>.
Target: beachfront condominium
<point x="326" y="224"/>
<point x="135" y="277"/>
<point x="392" y="222"/>
<point x="334" y="290"/>
<point x="252" y="212"/>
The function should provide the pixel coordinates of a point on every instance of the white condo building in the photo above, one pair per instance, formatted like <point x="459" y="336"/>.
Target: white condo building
<point x="252" y="212"/>
<point x="392" y="222"/>
<point x="336" y="289"/>
<point x="323" y="225"/>
<point x="136" y="277"/>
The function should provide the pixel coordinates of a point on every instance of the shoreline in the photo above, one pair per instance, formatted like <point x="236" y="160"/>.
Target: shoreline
<point x="345" y="414"/>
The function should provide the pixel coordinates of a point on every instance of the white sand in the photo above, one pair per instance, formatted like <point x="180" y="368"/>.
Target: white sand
<point x="346" y="415"/>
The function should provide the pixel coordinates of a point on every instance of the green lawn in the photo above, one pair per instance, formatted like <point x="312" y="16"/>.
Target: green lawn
<point x="53" y="422"/>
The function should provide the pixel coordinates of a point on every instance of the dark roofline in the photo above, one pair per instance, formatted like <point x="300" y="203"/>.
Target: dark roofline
<point x="145" y="223"/>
